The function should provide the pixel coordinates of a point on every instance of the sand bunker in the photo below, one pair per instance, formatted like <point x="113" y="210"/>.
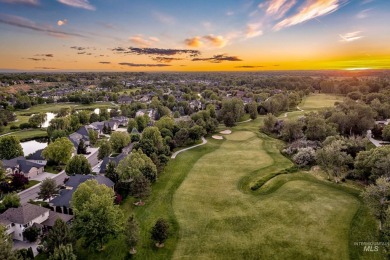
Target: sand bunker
<point x="218" y="137"/>
<point x="226" y="132"/>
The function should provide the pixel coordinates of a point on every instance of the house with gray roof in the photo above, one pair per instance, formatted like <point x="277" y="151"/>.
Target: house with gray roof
<point x="16" y="220"/>
<point x="62" y="202"/>
<point x="29" y="168"/>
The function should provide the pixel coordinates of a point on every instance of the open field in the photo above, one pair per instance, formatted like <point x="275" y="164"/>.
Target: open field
<point x="314" y="102"/>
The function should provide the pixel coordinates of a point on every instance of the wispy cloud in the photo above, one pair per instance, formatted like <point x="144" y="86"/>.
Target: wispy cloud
<point x="218" y="58"/>
<point x="248" y="67"/>
<point x="49" y="55"/>
<point x="229" y="13"/>
<point x="22" y="22"/>
<point x="165" y="59"/>
<point x="36" y="59"/>
<point x="104" y="62"/>
<point x="46" y="68"/>
<point x="141" y="41"/>
<point x="24" y="2"/>
<point x="156" y="51"/>
<point x="163" y="18"/>
<point x="62" y="22"/>
<point x="143" y="65"/>
<point x="253" y="30"/>
<point x="278" y="7"/>
<point x="351" y="36"/>
<point x="309" y="10"/>
<point x="84" y="4"/>
<point x="363" y="14"/>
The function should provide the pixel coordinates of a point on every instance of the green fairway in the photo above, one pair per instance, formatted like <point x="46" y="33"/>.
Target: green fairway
<point x="314" y="102"/>
<point x="293" y="216"/>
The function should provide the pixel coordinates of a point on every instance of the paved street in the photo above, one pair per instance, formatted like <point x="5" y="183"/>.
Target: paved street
<point x="32" y="193"/>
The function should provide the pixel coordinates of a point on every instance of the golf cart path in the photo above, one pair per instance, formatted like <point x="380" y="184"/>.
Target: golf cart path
<point x="204" y="141"/>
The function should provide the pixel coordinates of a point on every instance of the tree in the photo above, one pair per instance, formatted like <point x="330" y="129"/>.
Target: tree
<point x="376" y="198"/>
<point x="94" y="118"/>
<point x="93" y="136"/>
<point x="59" y="152"/>
<point x="386" y="133"/>
<point x="196" y="132"/>
<point x="333" y="160"/>
<point x="111" y="172"/>
<point x="81" y="148"/>
<point x="31" y="233"/>
<point x="131" y="124"/>
<point x="181" y="137"/>
<point x="232" y="110"/>
<point x="159" y="232"/>
<point x="59" y="235"/>
<point x="374" y="163"/>
<point x="18" y="181"/>
<point x="134" y="164"/>
<point x="37" y="120"/>
<point x="269" y="123"/>
<point x="10" y="147"/>
<point x="252" y="110"/>
<point x="10" y="200"/>
<point x="153" y="134"/>
<point x="165" y="122"/>
<point x="140" y="187"/>
<point x="63" y="252"/>
<point x="78" y="165"/>
<point x="2" y="172"/>
<point x="142" y="122"/>
<point x="96" y="217"/>
<point x="6" y="244"/>
<point x="317" y="128"/>
<point x="48" y="189"/>
<point x="132" y="234"/>
<point x="119" y="140"/>
<point x="104" y="150"/>
<point x="291" y="130"/>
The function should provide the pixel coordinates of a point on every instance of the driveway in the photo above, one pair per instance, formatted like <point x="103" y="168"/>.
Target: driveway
<point x="43" y="176"/>
<point x="24" y="244"/>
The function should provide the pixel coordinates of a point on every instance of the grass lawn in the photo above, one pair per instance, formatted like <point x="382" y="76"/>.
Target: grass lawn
<point x="53" y="169"/>
<point x="30" y="184"/>
<point x="314" y="102"/>
<point x="30" y="134"/>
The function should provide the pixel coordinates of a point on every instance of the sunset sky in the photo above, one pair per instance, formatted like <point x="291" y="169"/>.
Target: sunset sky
<point x="174" y="35"/>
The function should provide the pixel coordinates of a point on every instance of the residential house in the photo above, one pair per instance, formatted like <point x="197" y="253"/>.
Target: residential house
<point x="16" y="220"/>
<point x="37" y="157"/>
<point x="124" y="100"/>
<point x="149" y="112"/>
<point x="122" y="120"/>
<point x="29" y="168"/>
<point x="62" y="202"/>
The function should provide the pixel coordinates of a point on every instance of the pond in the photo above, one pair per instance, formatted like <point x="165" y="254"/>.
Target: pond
<point x="97" y="110"/>
<point x="49" y="116"/>
<point x="32" y="146"/>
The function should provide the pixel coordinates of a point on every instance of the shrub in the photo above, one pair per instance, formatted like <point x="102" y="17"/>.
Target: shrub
<point x="304" y="156"/>
<point x="24" y="126"/>
<point x="14" y="127"/>
<point x="31" y="233"/>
